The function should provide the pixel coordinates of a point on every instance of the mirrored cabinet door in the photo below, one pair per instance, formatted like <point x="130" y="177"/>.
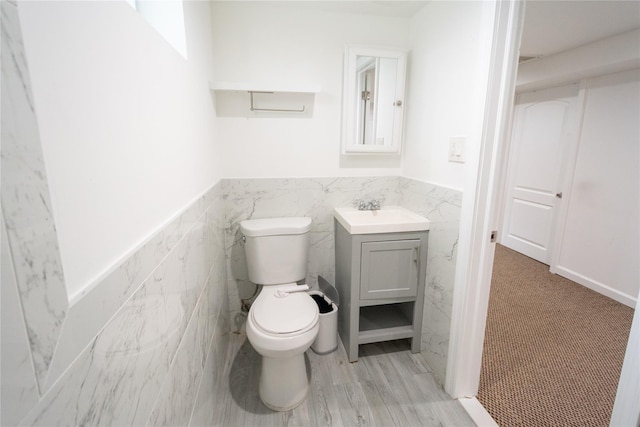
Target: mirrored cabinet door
<point x="373" y="100"/>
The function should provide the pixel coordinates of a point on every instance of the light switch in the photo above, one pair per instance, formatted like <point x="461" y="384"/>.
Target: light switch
<point x="457" y="149"/>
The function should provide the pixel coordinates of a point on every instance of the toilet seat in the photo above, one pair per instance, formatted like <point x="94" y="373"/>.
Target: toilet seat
<point x="284" y="316"/>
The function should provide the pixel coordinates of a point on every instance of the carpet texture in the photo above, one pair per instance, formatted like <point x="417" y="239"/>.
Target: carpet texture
<point x="553" y="349"/>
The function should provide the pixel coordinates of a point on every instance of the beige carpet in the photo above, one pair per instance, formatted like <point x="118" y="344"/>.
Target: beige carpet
<point x="553" y="349"/>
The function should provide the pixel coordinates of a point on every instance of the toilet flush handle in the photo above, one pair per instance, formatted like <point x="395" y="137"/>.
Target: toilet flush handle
<point x="284" y="292"/>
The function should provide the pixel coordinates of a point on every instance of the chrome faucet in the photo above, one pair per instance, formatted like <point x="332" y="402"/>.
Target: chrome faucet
<point x="372" y="205"/>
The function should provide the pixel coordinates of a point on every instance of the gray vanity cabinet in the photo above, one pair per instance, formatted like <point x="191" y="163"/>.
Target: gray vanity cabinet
<point x="380" y="279"/>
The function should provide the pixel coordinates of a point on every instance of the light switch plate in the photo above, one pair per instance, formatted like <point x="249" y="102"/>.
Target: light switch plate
<point x="457" y="149"/>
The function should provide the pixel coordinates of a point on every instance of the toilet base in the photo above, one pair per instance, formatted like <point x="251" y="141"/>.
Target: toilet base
<point x="283" y="382"/>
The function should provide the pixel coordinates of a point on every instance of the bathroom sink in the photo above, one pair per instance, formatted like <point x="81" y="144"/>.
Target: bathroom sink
<point x="389" y="219"/>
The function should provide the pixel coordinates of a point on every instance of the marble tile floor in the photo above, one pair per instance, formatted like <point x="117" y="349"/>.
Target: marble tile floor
<point x="388" y="386"/>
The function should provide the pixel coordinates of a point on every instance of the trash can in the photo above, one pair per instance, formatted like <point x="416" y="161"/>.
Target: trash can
<point x="327" y="339"/>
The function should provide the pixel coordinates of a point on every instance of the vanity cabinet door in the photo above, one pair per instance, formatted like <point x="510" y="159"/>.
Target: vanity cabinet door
<point x="389" y="269"/>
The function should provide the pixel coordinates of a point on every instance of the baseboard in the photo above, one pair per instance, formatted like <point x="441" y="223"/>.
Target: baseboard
<point x="596" y="286"/>
<point x="476" y="411"/>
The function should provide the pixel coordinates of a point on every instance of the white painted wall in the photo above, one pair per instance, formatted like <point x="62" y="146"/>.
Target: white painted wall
<point x="287" y="44"/>
<point x="127" y="125"/>
<point x="600" y="244"/>
<point x="447" y="79"/>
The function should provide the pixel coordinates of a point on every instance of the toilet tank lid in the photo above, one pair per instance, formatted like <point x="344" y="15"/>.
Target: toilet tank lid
<point x="275" y="226"/>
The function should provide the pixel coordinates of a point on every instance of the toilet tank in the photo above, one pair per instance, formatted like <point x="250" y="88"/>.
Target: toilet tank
<point x="277" y="249"/>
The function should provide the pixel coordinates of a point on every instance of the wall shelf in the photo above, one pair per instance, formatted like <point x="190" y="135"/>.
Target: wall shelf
<point x="261" y="87"/>
<point x="246" y="99"/>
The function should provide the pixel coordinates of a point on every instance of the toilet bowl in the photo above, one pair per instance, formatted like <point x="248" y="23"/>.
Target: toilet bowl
<point x="281" y="329"/>
<point x="283" y="321"/>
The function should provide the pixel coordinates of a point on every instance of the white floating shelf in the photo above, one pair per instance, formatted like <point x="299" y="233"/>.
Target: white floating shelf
<point x="261" y="87"/>
<point x="250" y="99"/>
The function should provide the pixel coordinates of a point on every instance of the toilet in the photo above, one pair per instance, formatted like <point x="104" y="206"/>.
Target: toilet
<point x="283" y="320"/>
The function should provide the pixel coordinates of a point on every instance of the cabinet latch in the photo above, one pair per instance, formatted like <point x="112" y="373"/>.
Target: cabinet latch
<point x="494" y="236"/>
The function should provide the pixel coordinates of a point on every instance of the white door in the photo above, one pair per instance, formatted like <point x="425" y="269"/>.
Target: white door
<point x="543" y="132"/>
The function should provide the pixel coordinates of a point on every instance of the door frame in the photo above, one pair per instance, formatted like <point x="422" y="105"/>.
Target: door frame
<point x="566" y="180"/>
<point x="481" y="207"/>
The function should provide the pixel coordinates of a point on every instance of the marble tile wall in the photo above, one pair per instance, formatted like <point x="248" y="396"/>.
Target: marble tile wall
<point x="146" y="363"/>
<point x="19" y="386"/>
<point x="443" y="208"/>
<point x="316" y="198"/>
<point x="26" y="204"/>
<point x="133" y="349"/>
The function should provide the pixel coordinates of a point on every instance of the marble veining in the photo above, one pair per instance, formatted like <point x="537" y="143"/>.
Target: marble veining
<point x="89" y="313"/>
<point x="19" y="388"/>
<point x="443" y="208"/>
<point x="435" y="338"/>
<point x="115" y="380"/>
<point x="26" y="204"/>
<point x="174" y="404"/>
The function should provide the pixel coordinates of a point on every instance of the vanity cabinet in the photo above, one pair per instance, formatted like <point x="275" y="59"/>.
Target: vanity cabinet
<point x="380" y="279"/>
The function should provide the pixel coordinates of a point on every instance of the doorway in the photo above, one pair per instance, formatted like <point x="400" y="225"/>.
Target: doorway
<point x="542" y="151"/>
<point x="474" y="269"/>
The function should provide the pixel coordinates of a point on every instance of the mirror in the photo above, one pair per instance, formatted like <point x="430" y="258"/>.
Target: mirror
<point x="373" y="100"/>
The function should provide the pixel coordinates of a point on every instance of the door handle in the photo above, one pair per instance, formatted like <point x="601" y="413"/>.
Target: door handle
<point x="559" y="195"/>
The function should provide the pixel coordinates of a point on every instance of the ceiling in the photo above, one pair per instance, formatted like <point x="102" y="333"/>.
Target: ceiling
<point x="551" y="26"/>
<point x="398" y="8"/>
<point x="555" y="26"/>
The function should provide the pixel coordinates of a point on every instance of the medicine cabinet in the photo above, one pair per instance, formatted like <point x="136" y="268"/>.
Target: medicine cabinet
<point x="373" y="100"/>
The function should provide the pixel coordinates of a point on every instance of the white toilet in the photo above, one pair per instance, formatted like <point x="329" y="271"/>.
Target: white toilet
<point x="283" y="320"/>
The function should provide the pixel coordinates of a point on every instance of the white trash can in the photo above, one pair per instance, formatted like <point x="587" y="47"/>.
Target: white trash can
<point x="327" y="339"/>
